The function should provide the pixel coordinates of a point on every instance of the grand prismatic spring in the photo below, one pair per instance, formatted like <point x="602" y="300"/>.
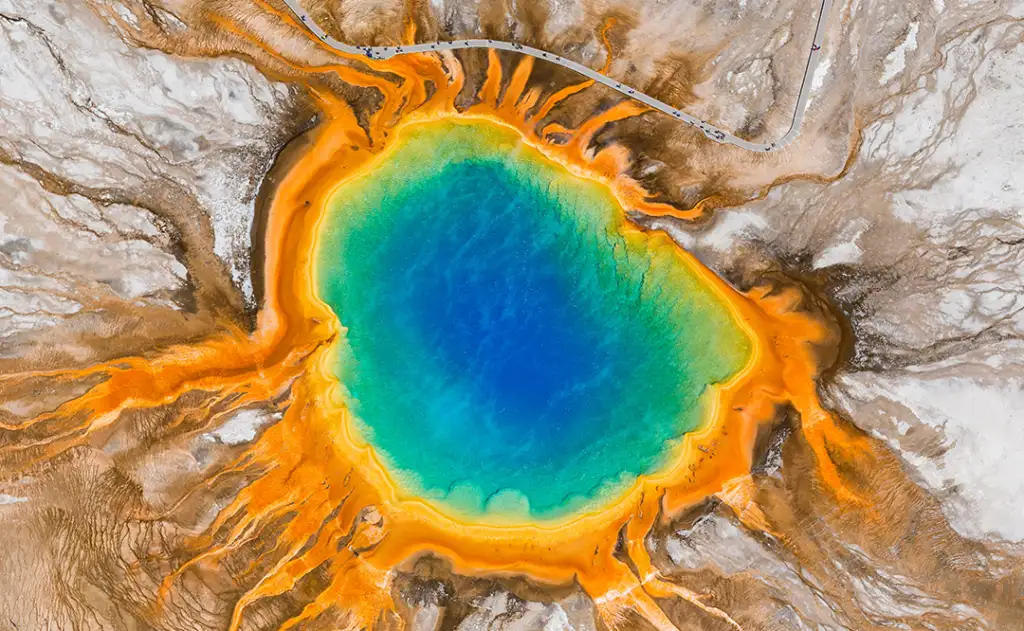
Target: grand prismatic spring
<point x="477" y="357"/>
<point x="495" y="311"/>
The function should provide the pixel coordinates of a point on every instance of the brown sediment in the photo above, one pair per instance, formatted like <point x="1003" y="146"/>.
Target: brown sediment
<point x="206" y="294"/>
<point x="346" y="512"/>
<point x="283" y="163"/>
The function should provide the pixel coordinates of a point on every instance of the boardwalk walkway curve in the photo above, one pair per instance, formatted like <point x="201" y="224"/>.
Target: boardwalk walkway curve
<point x="709" y="130"/>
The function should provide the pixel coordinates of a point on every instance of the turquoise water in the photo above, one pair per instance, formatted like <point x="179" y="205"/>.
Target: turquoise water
<point x="508" y="352"/>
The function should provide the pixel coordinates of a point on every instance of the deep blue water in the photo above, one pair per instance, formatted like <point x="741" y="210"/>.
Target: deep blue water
<point x="504" y="340"/>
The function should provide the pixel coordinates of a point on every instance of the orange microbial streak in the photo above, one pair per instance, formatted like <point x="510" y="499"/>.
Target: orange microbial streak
<point x="342" y="508"/>
<point x="608" y="24"/>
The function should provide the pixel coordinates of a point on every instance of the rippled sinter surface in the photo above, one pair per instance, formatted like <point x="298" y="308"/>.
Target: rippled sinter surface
<point x="508" y="350"/>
